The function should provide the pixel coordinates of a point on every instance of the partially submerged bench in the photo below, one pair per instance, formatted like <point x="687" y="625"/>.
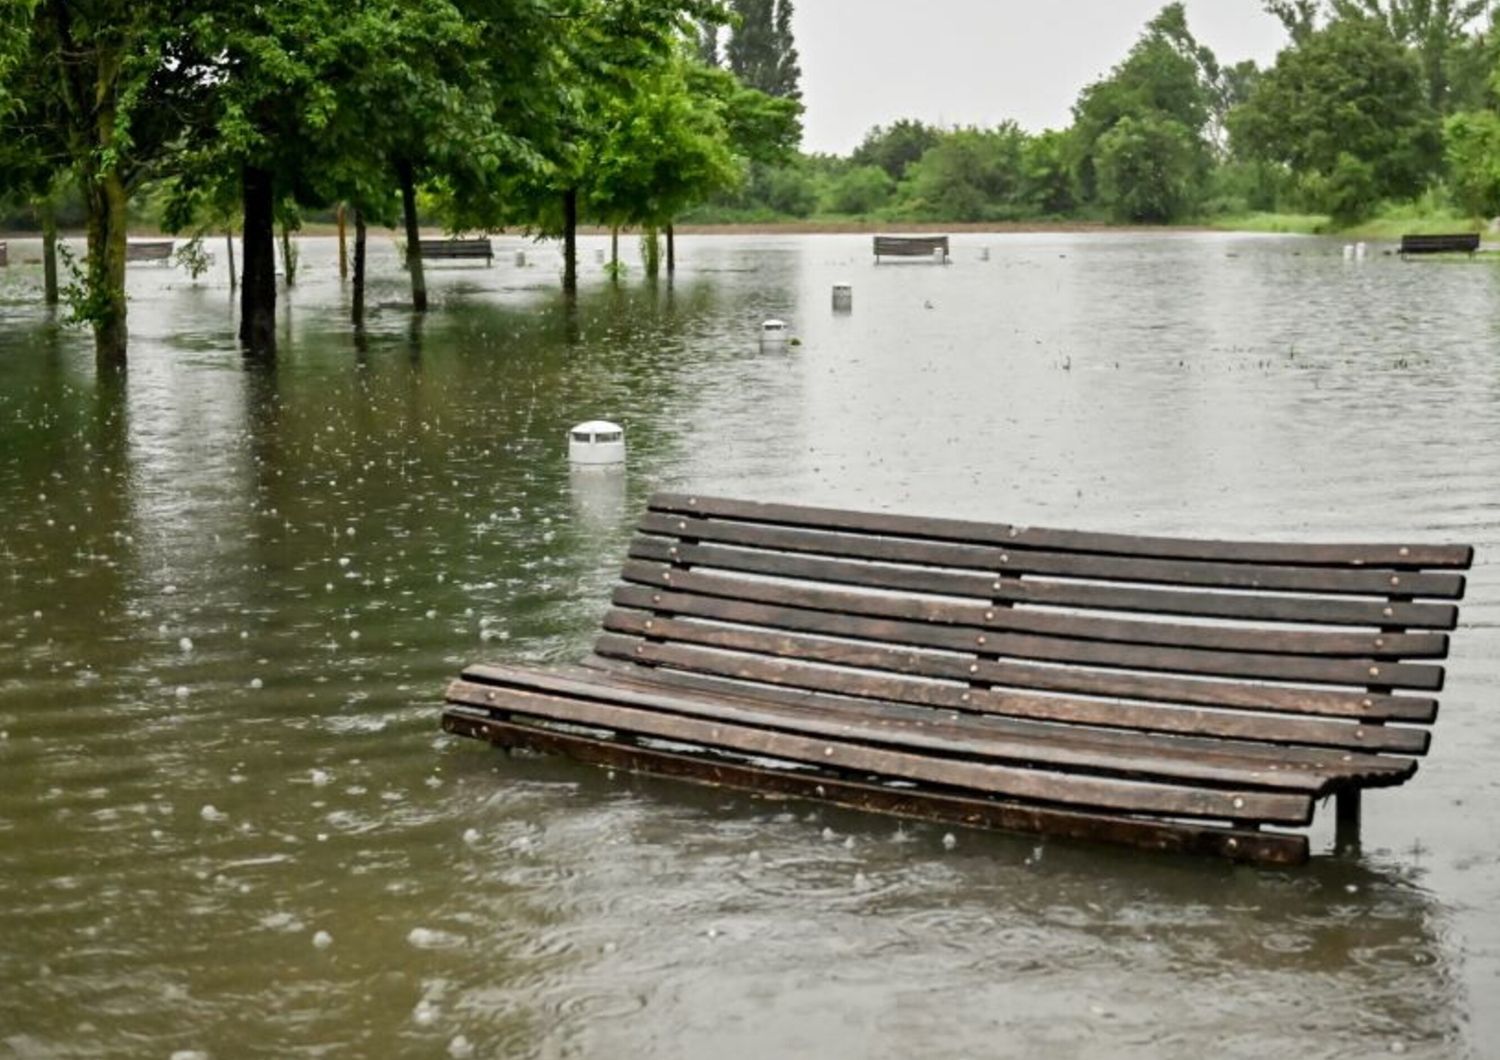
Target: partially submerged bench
<point x="1462" y="243"/>
<point x="452" y="249"/>
<point x="1166" y="693"/>
<point x="4" y="253"/>
<point x="158" y="251"/>
<point x="911" y="247"/>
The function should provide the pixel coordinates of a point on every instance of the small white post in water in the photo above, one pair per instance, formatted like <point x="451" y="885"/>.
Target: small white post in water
<point x="984" y="253"/>
<point x="1348" y="251"/>
<point x="597" y="443"/>
<point x="520" y="259"/>
<point x="843" y="297"/>
<point x="599" y="256"/>
<point x="1359" y="251"/>
<point x="773" y="333"/>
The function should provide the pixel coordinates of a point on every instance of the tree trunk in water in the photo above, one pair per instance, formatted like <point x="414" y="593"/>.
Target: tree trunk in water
<point x="343" y="247"/>
<point x="614" y="252"/>
<point x="105" y="198"/>
<point x="288" y="257"/>
<point x="650" y="251"/>
<point x="229" y="256"/>
<point x="258" y="293"/>
<point x="570" y="240"/>
<point x="357" y="312"/>
<point x="49" y="250"/>
<point x="671" y="250"/>
<point x="413" y="237"/>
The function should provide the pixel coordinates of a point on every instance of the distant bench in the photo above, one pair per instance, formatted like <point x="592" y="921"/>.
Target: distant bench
<point x="910" y="247"/>
<point x="4" y="253"/>
<point x="157" y="250"/>
<point x="1460" y="243"/>
<point x="455" y="249"/>
<point x="1166" y="693"/>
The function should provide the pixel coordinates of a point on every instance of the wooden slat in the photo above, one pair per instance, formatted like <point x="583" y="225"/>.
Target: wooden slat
<point x="956" y="734"/>
<point x="1292" y="668"/>
<point x="1411" y="554"/>
<point x="1308" y="642"/>
<point x="1022" y="561"/>
<point x="1045" y="786"/>
<point x="1166" y="836"/>
<point x="792" y="669"/>
<point x="1236" y="606"/>
<point x="1369" y="767"/>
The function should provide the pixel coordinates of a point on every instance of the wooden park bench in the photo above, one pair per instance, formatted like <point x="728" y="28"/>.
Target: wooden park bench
<point x="152" y="250"/>
<point x="910" y="247"/>
<point x="1173" y="694"/>
<point x="1461" y="243"/>
<point x="452" y="249"/>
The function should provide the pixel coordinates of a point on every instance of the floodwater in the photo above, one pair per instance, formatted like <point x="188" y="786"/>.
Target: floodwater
<point x="230" y="596"/>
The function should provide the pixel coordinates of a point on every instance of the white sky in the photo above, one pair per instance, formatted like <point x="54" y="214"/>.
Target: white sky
<point x="979" y="62"/>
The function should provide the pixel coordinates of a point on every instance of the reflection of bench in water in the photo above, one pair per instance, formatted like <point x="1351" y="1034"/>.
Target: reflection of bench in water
<point x="456" y="249"/>
<point x="153" y="250"/>
<point x="910" y="247"/>
<point x="1461" y="243"/>
<point x="1172" y="694"/>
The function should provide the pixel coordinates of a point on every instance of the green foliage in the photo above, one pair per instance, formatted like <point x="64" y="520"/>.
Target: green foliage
<point x="1472" y="151"/>
<point x="970" y="175"/>
<point x="860" y="190"/>
<point x="1347" y="112"/>
<point x="191" y="257"/>
<point x="1148" y="169"/>
<point x="894" y="149"/>
<point x="761" y="51"/>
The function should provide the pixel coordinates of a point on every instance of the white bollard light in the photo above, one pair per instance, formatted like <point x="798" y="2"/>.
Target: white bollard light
<point x="1348" y="251"/>
<point x="773" y="333"/>
<point x="597" y="443"/>
<point x="984" y="253"/>
<point x="843" y="297"/>
<point x="520" y="259"/>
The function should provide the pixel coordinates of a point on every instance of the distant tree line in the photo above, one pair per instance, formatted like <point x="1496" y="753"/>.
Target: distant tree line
<point x="1372" y="101"/>
<point x="243" y="115"/>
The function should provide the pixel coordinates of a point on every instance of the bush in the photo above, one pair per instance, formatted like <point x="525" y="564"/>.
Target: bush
<point x="861" y="190"/>
<point x="1148" y="169"/>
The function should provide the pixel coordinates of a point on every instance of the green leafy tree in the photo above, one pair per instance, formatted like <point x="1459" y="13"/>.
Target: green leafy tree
<point x="860" y="190"/>
<point x="1349" y="94"/>
<point x="1148" y="169"/>
<point x="971" y="175"/>
<point x="895" y="148"/>
<point x="1047" y="186"/>
<point x="1436" y="30"/>
<point x="1472" y="151"/>
<point x="761" y="50"/>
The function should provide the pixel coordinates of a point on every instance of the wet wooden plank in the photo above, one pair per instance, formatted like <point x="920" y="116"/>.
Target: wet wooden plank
<point x="1069" y="789"/>
<point x="1137" y="600"/>
<point x="789" y="670"/>
<point x="1023" y="562"/>
<point x="967" y="734"/>
<point x="1310" y="642"/>
<point x="1258" y="666"/>
<point x="1368" y="767"/>
<point x="1409" y="554"/>
<point x="1164" y="836"/>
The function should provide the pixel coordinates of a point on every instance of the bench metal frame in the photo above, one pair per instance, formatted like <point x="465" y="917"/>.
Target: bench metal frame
<point x="154" y="251"/>
<point x="1460" y="243"/>
<point x="910" y="247"/>
<point x="1172" y="694"/>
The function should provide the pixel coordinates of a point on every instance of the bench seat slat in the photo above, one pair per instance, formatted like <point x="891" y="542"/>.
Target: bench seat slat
<point x="755" y="657"/>
<point x="952" y="732"/>
<point x="1234" y="606"/>
<point x="1353" y="555"/>
<point x="1291" y="668"/>
<point x="1044" y="785"/>
<point x="1021" y="561"/>
<point x="647" y="593"/>
<point x="1183" y="837"/>
<point x="979" y="710"/>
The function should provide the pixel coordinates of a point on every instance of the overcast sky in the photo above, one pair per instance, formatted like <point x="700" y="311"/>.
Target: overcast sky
<point x="979" y="62"/>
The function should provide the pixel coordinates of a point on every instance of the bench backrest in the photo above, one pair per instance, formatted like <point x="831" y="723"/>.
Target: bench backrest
<point x="910" y="246"/>
<point x="1300" y="645"/>
<point x="1465" y="242"/>
<point x="148" y="250"/>
<point x="455" y="248"/>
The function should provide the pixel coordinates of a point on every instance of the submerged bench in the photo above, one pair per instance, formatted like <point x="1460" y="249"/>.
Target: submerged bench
<point x="154" y="250"/>
<point x="910" y="247"/>
<point x="1462" y="243"/>
<point x="437" y="249"/>
<point x="4" y="253"/>
<point x="1172" y="694"/>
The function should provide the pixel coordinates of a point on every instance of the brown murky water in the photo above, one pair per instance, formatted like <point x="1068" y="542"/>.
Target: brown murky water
<point x="230" y="596"/>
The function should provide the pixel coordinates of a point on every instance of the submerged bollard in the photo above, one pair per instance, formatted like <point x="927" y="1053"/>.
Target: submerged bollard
<point x="596" y="443"/>
<point x="1348" y="251"/>
<point x="984" y="253"/>
<point x="773" y="334"/>
<point x="520" y="259"/>
<point x="843" y="298"/>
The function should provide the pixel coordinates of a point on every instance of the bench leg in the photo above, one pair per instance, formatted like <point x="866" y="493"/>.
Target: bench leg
<point x="1346" y="829"/>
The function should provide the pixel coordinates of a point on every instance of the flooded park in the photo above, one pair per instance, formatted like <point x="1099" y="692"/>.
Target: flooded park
<point x="233" y="591"/>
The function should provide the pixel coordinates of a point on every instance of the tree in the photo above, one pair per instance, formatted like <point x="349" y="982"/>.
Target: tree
<point x="1434" y="29"/>
<point x="1349" y="97"/>
<point x="761" y="50"/>
<point x="971" y="175"/>
<point x="1472" y="151"/>
<point x="860" y="190"/>
<point x="1046" y="176"/>
<point x="1298" y="17"/>
<point x="1148" y="169"/>
<point x="895" y="148"/>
